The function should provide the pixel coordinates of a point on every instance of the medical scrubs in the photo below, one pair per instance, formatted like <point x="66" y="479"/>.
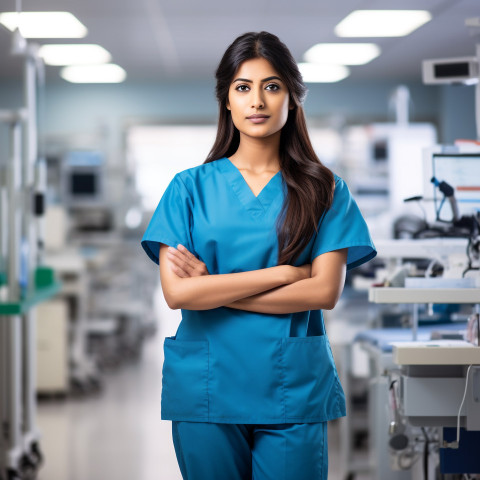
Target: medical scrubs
<point x="228" y="366"/>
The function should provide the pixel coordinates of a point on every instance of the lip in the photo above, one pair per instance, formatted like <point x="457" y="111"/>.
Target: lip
<point x="258" y="115"/>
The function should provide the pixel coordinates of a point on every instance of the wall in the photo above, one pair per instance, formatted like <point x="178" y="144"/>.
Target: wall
<point x="458" y="113"/>
<point x="108" y="108"/>
<point x="100" y="113"/>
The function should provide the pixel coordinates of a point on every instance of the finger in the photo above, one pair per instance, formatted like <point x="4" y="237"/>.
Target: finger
<point x="187" y="253"/>
<point x="197" y="265"/>
<point x="179" y="261"/>
<point x="182" y="259"/>
<point x="178" y="271"/>
<point x="193" y="269"/>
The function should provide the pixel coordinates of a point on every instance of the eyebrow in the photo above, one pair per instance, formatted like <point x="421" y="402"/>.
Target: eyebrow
<point x="264" y="80"/>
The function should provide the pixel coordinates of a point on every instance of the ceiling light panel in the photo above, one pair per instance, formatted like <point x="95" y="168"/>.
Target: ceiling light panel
<point x="382" y="23"/>
<point x="342" y="53"/>
<point x="108" y="73"/>
<point x="318" y="73"/>
<point x="44" y="24"/>
<point x="77" y="54"/>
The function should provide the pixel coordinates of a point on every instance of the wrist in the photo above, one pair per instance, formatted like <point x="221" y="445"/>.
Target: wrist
<point x="290" y="274"/>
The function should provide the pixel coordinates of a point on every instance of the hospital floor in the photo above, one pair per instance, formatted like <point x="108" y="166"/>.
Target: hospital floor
<point x="118" y="434"/>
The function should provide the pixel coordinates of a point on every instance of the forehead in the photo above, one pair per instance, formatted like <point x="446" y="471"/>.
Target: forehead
<point x="255" y="69"/>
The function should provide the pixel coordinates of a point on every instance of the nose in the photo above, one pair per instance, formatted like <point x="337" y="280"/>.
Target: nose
<point x="257" y="98"/>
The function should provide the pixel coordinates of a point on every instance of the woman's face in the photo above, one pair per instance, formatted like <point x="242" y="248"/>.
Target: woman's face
<point x="258" y="99"/>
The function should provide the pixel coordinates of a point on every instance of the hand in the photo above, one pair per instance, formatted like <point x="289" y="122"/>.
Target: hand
<point x="184" y="264"/>
<point x="306" y="270"/>
<point x="301" y="273"/>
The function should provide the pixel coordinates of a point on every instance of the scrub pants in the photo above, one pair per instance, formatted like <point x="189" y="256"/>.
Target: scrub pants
<point x="221" y="451"/>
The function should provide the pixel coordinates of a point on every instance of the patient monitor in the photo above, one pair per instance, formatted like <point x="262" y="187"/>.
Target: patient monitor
<point x="461" y="170"/>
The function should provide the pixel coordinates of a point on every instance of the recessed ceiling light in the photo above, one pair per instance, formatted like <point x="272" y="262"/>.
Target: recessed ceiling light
<point x="79" y="54"/>
<point x="382" y="23"/>
<point x="342" y="53"/>
<point x="108" y="73"/>
<point x="318" y="73"/>
<point x="44" y="24"/>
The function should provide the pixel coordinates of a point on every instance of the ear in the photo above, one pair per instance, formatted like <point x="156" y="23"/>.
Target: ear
<point x="228" y="104"/>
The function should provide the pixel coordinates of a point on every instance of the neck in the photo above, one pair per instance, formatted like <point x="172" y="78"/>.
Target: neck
<point x="258" y="154"/>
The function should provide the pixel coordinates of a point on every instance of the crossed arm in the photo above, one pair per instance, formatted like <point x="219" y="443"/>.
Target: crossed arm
<point x="187" y="284"/>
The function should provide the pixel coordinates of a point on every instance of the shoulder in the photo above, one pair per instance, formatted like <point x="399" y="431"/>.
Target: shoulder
<point x="341" y="188"/>
<point x="194" y="177"/>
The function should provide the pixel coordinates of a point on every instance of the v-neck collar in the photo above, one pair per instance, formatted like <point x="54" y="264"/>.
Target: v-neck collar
<point x="257" y="205"/>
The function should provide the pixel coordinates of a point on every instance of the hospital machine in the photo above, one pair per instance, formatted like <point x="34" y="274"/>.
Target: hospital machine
<point x="424" y="401"/>
<point x="94" y="250"/>
<point x="429" y="374"/>
<point x="24" y="280"/>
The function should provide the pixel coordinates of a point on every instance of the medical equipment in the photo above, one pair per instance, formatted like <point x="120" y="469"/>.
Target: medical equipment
<point x="429" y="377"/>
<point x="462" y="172"/>
<point x="24" y="282"/>
<point x="83" y="178"/>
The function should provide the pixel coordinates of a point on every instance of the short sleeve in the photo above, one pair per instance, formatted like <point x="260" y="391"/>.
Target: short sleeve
<point x="171" y="221"/>
<point x="343" y="226"/>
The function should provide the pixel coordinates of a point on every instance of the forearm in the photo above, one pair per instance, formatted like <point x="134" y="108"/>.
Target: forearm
<point x="212" y="291"/>
<point x="307" y="294"/>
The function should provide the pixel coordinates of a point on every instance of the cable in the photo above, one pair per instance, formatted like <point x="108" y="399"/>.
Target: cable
<point x="461" y="405"/>
<point x="456" y="444"/>
<point x="478" y="329"/>
<point x="440" y="208"/>
<point x="425" y="454"/>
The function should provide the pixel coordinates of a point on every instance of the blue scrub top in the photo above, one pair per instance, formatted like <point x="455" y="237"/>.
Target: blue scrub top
<point x="233" y="366"/>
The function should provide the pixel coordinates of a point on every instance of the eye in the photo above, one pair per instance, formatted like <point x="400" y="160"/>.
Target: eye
<point x="242" y="88"/>
<point x="273" y="87"/>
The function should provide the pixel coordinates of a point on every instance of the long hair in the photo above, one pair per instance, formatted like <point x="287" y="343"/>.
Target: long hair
<point x="310" y="184"/>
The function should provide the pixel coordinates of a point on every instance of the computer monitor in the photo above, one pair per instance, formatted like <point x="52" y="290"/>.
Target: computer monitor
<point x="462" y="172"/>
<point x="83" y="183"/>
<point x="83" y="173"/>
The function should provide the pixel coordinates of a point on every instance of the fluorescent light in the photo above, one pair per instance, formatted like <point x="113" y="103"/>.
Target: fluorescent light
<point x="323" y="73"/>
<point x="108" y="73"/>
<point x="74" y="54"/>
<point x="342" y="53"/>
<point x="44" y="24"/>
<point x="382" y="23"/>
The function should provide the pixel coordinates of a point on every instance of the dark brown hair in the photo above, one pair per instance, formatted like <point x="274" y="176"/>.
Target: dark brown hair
<point x="310" y="184"/>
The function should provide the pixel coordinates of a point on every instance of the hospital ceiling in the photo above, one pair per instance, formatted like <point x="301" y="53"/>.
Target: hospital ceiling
<point x="167" y="40"/>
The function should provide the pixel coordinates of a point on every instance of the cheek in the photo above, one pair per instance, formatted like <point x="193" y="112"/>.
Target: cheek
<point x="283" y="107"/>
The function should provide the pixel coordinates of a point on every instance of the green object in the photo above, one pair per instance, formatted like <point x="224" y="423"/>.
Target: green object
<point x="44" y="276"/>
<point x="45" y="287"/>
<point x="3" y="279"/>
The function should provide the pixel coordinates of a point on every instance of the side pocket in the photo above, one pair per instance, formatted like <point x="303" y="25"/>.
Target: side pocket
<point x="311" y="383"/>
<point x="185" y="380"/>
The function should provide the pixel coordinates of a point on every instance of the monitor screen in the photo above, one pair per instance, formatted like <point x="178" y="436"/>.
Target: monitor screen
<point x="83" y="183"/>
<point x="462" y="172"/>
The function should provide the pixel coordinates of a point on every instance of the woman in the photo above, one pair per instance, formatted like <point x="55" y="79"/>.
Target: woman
<point x="252" y="245"/>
